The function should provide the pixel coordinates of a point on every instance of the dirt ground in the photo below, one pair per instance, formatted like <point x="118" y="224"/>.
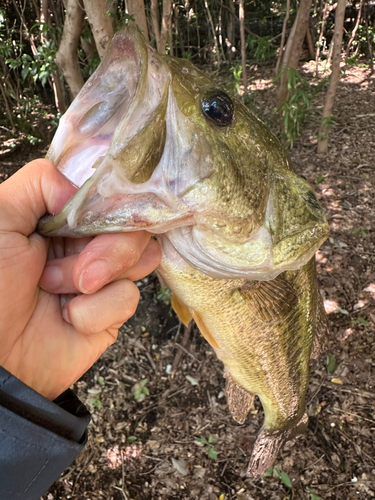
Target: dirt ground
<point x="147" y="449"/>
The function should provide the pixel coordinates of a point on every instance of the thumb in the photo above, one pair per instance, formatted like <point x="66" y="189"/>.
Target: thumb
<point x="37" y="188"/>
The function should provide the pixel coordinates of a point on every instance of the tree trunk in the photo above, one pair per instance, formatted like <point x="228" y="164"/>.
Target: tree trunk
<point x="285" y="24"/>
<point x="325" y="13"/>
<point x="230" y="31"/>
<point x="310" y="42"/>
<point x="67" y="55"/>
<point x="293" y="47"/>
<point x="155" y="23"/>
<point x="165" y="24"/>
<point x="213" y="32"/>
<point x="136" y="8"/>
<point x="58" y="92"/>
<point x="335" y="77"/>
<point x="354" y="32"/>
<point x="7" y="107"/>
<point x="243" y="42"/>
<point x="100" y="23"/>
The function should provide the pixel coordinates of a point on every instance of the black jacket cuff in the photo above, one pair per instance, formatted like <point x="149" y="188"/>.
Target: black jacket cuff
<point x="38" y="438"/>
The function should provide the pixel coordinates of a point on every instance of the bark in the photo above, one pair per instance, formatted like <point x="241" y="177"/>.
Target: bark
<point x="335" y="76"/>
<point x="354" y="32"/>
<point x="67" y="55"/>
<point x="230" y="31"/>
<point x="165" y="24"/>
<point x="28" y="34"/>
<point x="100" y="23"/>
<point x="155" y="23"/>
<point x="318" y="46"/>
<point x="310" y="42"/>
<point x="293" y="47"/>
<point x="88" y="48"/>
<point x="213" y="31"/>
<point x="243" y="42"/>
<point x="7" y="107"/>
<point x="285" y="24"/>
<point x="136" y="8"/>
<point x="44" y="16"/>
<point x="58" y="93"/>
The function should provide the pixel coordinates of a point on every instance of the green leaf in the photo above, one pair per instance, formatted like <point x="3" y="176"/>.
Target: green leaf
<point x="269" y="472"/>
<point x="101" y="381"/>
<point x="212" y="453"/>
<point x="313" y="495"/>
<point x="331" y="363"/>
<point x="320" y="179"/>
<point x="201" y="440"/>
<point x="211" y="439"/>
<point x="362" y="321"/>
<point x="284" y="478"/>
<point x="25" y="72"/>
<point x="131" y="439"/>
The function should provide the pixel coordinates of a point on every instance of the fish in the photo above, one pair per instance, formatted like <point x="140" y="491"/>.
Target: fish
<point x="154" y="144"/>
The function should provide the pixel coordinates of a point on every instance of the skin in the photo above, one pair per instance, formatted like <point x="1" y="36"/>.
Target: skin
<point x="46" y="341"/>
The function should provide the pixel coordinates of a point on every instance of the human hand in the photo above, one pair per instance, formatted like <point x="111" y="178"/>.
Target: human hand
<point x="46" y="341"/>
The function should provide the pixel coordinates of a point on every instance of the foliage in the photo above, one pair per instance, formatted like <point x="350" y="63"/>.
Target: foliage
<point x="140" y="391"/>
<point x="260" y="47"/>
<point x="297" y="104"/>
<point x="360" y="231"/>
<point x="360" y="321"/>
<point x="331" y="363"/>
<point x="275" y="471"/>
<point x="164" y="294"/>
<point x="208" y="446"/>
<point x="235" y="84"/>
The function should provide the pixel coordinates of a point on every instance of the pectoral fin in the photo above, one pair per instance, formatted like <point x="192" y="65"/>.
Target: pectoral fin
<point x="183" y="312"/>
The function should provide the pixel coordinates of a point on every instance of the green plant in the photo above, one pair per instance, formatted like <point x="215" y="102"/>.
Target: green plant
<point x="260" y="47"/>
<point x="164" y="294"/>
<point x="297" y="105"/>
<point x="320" y="178"/>
<point x="94" y="402"/>
<point x="360" y="321"/>
<point x="140" y="391"/>
<point x="283" y="476"/>
<point x="208" y="446"/>
<point x="331" y="364"/>
<point x="313" y="495"/>
<point x="234" y="85"/>
<point x="360" y="231"/>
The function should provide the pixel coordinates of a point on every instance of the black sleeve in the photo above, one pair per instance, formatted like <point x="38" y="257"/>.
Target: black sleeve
<point x="38" y="438"/>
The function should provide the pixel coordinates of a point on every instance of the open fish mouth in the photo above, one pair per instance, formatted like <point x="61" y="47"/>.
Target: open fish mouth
<point x="141" y="143"/>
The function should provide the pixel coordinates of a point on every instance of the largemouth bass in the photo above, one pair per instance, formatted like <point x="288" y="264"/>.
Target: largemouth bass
<point x="153" y="144"/>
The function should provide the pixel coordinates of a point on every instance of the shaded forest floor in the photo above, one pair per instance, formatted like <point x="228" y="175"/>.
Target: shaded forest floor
<point x="142" y="450"/>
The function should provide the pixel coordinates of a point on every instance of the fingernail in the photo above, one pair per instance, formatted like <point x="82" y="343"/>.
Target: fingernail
<point x="52" y="277"/>
<point x="65" y="315"/>
<point x="95" y="276"/>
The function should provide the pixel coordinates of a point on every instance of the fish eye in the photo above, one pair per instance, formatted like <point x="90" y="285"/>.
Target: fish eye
<point x="218" y="107"/>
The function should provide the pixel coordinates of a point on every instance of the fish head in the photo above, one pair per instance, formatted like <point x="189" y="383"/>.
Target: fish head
<point x="153" y="144"/>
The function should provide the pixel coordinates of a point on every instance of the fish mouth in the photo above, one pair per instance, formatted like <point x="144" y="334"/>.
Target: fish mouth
<point x="109" y="143"/>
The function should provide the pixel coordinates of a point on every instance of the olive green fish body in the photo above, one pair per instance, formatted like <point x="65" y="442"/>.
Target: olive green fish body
<point x="263" y="332"/>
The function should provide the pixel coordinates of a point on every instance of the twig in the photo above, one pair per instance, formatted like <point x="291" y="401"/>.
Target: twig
<point x="188" y="353"/>
<point x="184" y="343"/>
<point x="355" y="415"/>
<point x="350" y="390"/>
